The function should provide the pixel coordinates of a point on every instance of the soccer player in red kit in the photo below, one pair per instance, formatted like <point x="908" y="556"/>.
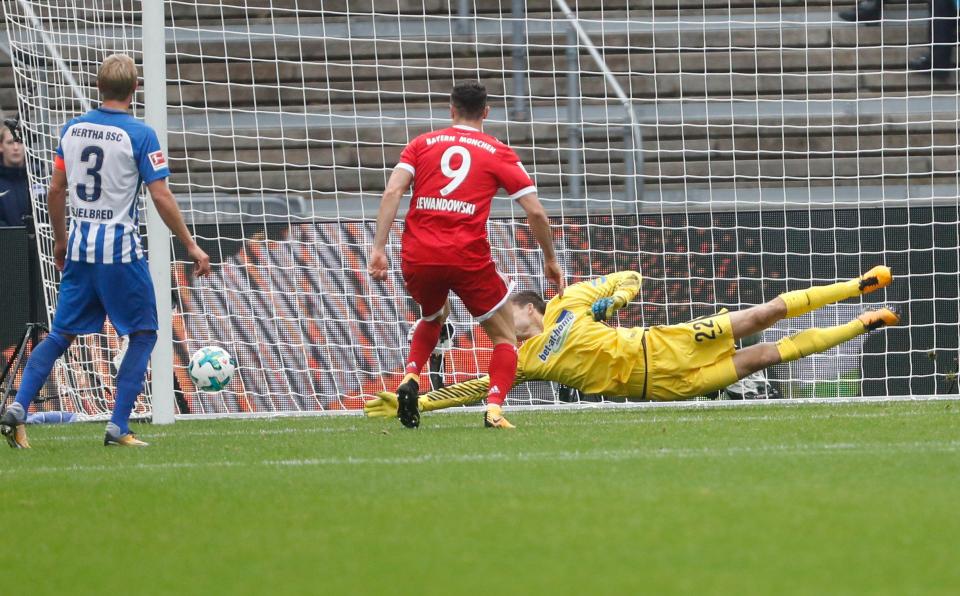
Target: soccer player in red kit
<point x="455" y="173"/>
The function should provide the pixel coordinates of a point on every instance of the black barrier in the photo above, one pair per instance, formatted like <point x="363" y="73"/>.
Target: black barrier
<point x="15" y="295"/>
<point x="695" y="263"/>
<point x="734" y="259"/>
<point x="698" y="262"/>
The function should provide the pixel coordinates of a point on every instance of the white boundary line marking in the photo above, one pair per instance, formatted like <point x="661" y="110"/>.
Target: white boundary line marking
<point x="581" y="406"/>
<point x="523" y="457"/>
<point x="377" y="424"/>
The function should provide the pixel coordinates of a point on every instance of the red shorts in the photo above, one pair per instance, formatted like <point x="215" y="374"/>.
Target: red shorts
<point x="482" y="291"/>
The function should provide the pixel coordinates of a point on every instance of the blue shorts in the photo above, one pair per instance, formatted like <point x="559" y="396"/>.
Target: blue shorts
<point x="89" y="292"/>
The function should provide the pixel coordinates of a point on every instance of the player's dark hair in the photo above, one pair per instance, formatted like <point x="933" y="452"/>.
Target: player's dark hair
<point x="528" y="297"/>
<point x="469" y="98"/>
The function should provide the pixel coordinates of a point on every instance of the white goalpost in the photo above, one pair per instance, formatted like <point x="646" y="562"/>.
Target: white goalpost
<point x="729" y="151"/>
<point x="155" y="115"/>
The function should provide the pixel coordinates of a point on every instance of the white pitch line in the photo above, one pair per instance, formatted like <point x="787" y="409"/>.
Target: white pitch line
<point x="601" y="455"/>
<point x="148" y="434"/>
<point x="721" y="404"/>
<point x="373" y="425"/>
<point x="709" y="417"/>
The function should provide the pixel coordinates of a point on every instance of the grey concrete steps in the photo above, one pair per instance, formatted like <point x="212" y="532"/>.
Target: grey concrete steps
<point x="763" y="64"/>
<point x="723" y="146"/>
<point x="737" y="94"/>
<point x="601" y="144"/>
<point x="665" y="118"/>
<point x="368" y="37"/>
<point x="412" y="93"/>
<point x="552" y="177"/>
<point x="585" y="9"/>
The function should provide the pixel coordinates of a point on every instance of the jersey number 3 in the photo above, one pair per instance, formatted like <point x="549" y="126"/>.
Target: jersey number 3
<point x="458" y="175"/>
<point x="93" y="172"/>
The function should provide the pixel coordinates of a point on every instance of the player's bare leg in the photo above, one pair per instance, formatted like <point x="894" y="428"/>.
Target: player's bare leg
<point x="425" y="338"/>
<point x="503" y="365"/>
<point x="811" y="341"/>
<point x="793" y="304"/>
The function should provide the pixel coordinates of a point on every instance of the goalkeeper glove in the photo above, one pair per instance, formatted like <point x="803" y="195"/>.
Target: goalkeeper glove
<point x="604" y="308"/>
<point x="383" y="406"/>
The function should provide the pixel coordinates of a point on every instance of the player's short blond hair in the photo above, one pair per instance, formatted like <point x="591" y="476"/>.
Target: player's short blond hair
<point x="117" y="78"/>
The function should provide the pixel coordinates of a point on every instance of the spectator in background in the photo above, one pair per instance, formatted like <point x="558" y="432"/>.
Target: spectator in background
<point x="938" y="60"/>
<point x="14" y="187"/>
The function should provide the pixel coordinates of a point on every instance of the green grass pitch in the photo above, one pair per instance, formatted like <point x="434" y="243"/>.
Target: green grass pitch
<point x="812" y="499"/>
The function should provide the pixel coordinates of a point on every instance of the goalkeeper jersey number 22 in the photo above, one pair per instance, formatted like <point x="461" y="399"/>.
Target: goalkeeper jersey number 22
<point x="107" y="154"/>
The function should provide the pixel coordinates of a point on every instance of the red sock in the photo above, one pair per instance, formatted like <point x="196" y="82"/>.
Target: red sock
<point x="425" y="338"/>
<point x="503" y="369"/>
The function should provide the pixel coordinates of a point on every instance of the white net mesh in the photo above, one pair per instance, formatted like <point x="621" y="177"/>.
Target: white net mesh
<point x="55" y="49"/>
<point x="780" y="148"/>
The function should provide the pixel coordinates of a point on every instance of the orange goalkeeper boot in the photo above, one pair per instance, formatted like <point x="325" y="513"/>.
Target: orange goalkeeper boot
<point x="878" y="277"/>
<point x="875" y="319"/>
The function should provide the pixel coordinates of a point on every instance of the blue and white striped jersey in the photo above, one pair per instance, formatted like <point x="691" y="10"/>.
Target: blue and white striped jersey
<point x="106" y="155"/>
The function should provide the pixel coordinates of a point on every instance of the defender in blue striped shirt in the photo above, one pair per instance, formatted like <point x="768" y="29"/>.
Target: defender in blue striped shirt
<point x="102" y="160"/>
<point x="107" y="154"/>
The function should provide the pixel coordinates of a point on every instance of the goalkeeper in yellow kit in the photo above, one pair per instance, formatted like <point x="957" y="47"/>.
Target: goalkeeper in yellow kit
<point x="565" y="341"/>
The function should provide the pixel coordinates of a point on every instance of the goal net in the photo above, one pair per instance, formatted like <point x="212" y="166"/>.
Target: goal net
<point x="727" y="150"/>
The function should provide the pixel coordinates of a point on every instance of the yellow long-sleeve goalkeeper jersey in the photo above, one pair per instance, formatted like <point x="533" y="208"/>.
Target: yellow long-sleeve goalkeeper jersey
<point x="573" y="349"/>
<point x="576" y="350"/>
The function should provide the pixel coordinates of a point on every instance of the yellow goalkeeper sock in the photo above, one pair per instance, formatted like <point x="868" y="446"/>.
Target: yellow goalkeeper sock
<point x="817" y="340"/>
<point x="800" y="302"/>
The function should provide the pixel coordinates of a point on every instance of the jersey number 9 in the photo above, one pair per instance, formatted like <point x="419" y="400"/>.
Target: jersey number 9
<point x="458" y="174"/>
<point x="93" y="172"/>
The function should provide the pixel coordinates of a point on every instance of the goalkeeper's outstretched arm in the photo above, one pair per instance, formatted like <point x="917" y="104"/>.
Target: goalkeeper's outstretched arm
<point x="459" y="394"/>
<point x="612" y="291"/>
<point x="624" y="287"/>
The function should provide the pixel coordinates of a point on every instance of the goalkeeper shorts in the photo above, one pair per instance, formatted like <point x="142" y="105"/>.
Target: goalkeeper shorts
<point x="690" y="359"/>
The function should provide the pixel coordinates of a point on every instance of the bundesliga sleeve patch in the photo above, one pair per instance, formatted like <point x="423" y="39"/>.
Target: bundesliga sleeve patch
<point x="157" y="160"/>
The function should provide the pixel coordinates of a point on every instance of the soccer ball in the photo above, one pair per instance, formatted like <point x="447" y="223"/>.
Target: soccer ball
<point x="211" y="368"/>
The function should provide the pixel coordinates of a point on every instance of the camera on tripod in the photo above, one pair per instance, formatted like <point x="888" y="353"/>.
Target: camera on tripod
<point x="35" y="329"/>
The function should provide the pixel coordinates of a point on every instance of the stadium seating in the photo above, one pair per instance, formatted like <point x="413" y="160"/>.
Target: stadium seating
<point x="778" y="117"/>
<point x="819" y="118"/>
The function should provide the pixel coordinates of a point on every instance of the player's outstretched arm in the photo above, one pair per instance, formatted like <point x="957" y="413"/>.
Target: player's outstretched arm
<point x="540" y="226"/>
<point x="171" y="216"/>
<point x="57" y="207"/>
<point x="460" y="394"/>
<point x="604" y="295"/>
<point x="615" y="292"/>
<point x="397" y="186"/>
